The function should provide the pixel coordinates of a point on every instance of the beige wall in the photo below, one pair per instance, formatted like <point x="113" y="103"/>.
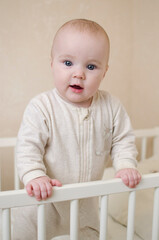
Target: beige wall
<point x="26" y="32"/>
<point x="144" y="106"/>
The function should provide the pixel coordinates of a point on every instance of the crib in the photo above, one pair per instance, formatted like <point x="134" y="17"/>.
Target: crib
<point x="104" y="189"/>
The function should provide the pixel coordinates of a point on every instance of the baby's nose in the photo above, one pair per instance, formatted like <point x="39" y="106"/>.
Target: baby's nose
<point x="79" y="73"/>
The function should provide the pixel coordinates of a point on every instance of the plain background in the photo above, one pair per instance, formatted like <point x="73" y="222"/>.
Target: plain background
<point x="27" y="29"/>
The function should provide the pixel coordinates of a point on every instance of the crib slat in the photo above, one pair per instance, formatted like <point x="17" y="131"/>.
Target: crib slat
<point x="143" y="148"/>
<point x="131" y="215"/>
<point x="41" y="222"/>
<point x="155" y="222"/>
<point x="155" y="145"/>
<point x="16" y="177"/>
<point x="74" y="219"/>
<point x="6" y="226"/>
<point x="103" y="217"/>
<point x="152" y="132"/>
<point x="0" y="176"/>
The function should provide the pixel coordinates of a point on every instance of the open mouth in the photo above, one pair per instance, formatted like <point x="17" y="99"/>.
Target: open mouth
<point x="76" y="87"/>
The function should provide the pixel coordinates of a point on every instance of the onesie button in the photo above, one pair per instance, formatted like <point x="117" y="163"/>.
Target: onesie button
<point x="86" y="118"/>
<point x="98" y="153"/>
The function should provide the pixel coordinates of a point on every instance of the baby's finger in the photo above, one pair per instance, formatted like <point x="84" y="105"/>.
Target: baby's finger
<point x="132" y="179"/>
<point x="136" y="176"/>
<point x="55" y="182"/>
<point x="43" y="190"/>
<point x="48" y="189"/>
<point x="29" y="190"/>
<point x="36" y="191"/>
<point x="125" y="179"/>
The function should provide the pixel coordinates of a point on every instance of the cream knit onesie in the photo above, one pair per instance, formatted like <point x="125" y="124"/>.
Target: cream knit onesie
<point x="71" y="144"/>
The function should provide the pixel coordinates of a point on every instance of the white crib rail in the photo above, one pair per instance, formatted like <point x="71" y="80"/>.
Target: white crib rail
<point x="144" y="134"/>
<point x="8" y="142"/>
<point x="5" y="143"/>
<point x="74" y="192"/>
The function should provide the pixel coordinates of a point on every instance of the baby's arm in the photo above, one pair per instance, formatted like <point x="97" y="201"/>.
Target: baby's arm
<point x="41" y="187"/>
<point x="130" y="177"/>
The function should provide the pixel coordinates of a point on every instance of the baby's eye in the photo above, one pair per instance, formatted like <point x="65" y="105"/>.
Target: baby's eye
<point x="91" y="67"/>
<point x="68" y="63"/>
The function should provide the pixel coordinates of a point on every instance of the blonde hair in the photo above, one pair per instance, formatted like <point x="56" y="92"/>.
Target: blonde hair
<point x="82" y="25"/>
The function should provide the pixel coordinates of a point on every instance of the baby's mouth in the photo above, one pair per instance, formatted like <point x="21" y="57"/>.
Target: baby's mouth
<point x="76" y="87"/>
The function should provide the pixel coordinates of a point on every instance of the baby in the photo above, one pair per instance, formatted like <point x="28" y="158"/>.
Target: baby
<point x="68" y="133"/>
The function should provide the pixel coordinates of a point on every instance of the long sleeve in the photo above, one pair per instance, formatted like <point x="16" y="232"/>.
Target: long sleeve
<point x="31" y="142"/>
<point x="123" y="151"/>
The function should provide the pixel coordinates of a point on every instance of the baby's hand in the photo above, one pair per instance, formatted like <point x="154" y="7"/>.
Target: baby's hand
<point x="130" y="177"/>
<point x="41" y="187"/>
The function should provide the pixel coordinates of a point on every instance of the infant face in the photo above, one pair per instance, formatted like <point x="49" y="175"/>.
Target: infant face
<point x="79" y="63"/>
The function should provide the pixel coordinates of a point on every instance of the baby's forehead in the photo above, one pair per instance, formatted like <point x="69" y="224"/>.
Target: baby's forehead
<point x="71" y="29"/>
<point x="81" y="30"/>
